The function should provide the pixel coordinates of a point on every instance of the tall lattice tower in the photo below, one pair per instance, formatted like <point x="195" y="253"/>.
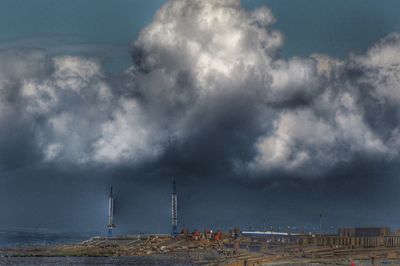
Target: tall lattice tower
<point x="111" y="224"/>
<point x="174" y="205"/>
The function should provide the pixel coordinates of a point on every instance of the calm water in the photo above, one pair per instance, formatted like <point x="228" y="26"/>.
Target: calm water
<point x="22" y="239"/>
<point x="93" y="261"/>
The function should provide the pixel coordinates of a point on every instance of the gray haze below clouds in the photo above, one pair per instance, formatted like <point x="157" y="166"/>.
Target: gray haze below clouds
<point x="207" y="101"/>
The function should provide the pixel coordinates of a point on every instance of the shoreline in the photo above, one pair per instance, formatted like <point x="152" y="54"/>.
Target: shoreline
<point x="164" y="250"/>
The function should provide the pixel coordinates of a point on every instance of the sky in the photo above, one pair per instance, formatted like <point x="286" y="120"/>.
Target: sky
<point x="106" y="28"/>
<point x="265" y="112"/>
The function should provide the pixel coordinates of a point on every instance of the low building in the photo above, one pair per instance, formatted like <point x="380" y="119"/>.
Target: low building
<point x="364" y="232"/>
<point x="354" y="237"/>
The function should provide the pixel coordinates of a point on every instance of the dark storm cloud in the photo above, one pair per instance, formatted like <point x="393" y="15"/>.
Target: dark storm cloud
<point x="247" y="110"/>
<point x="209" y="92"/>
<point x="207" y="98"/>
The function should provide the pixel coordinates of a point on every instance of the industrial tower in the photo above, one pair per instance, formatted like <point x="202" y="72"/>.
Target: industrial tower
<point x="174" y="206"/>
<point x="111" y="224"/>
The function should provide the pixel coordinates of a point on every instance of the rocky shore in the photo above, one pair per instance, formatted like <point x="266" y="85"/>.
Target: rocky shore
<point x="154" y="250"/>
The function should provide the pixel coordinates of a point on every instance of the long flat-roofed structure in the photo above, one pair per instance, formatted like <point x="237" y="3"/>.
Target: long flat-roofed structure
<point x="364" y="231"/>
<point x="355" y="237"/>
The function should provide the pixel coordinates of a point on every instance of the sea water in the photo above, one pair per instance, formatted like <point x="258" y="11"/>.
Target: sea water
<point x="10" y="239"/>
<point x="47" y="261"/>
<point x="23" y="238"/>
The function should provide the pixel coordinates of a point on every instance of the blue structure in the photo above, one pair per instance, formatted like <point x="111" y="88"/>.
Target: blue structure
<point x="174" y="203"/>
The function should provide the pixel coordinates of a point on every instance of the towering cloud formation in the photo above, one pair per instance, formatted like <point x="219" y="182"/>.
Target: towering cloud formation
<point x="207" y="91"/>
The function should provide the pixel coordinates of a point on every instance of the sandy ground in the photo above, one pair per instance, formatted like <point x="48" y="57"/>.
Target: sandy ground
<point x="205" y="252"/>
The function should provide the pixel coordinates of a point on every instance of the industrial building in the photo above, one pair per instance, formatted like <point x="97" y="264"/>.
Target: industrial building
<point x="354" y="237"/>
<point x="364" y="231"/>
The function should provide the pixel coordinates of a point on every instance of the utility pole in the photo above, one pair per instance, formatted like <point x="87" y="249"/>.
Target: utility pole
<point x="320" y="224"/>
